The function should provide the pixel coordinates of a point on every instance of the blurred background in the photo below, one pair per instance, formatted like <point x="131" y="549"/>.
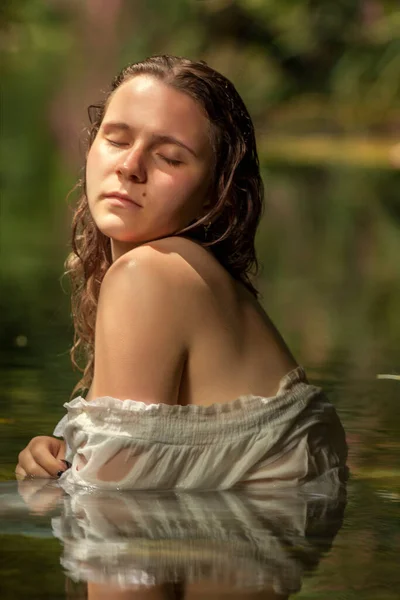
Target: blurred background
<point x="321" y="79"/>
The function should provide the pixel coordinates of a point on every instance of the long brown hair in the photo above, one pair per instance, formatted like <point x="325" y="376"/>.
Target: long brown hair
<point x="228" y="228"/>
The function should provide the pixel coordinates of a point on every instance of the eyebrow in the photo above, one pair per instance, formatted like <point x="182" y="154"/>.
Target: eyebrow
<point x="157" y="138"/>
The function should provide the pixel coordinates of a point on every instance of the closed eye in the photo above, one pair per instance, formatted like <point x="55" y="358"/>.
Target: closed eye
<point x="171" y="161"/>
<point x="116" y="143"/>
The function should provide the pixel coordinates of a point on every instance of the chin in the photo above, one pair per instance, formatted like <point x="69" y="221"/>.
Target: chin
<point x="118" y="231"/>
<point x="121" y="231"/>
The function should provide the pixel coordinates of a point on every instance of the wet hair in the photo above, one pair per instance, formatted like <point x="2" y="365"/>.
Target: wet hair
<point x="236" y="193"/>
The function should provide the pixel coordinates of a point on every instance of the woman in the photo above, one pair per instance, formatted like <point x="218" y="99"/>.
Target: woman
<point x="190" y="385"/>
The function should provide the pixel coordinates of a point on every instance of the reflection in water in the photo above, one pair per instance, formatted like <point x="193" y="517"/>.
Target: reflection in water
<point x="238" y="543"/>
<point x="242" y="543"/>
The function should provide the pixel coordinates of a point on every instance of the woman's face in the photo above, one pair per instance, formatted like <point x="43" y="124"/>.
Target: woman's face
<point x="149" y="167"/>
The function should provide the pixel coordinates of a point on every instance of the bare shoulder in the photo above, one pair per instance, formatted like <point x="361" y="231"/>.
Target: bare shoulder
<point x="169" y="265"/>
<point x="144" y="324"/>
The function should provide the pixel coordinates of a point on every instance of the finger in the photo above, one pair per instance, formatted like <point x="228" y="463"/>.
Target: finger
<point x="62" y="450"/>
<point x="29" y="464"/>
<point x="46" y="460"/>
<point x="20" y="473"/>
<point x="32" y="468"/>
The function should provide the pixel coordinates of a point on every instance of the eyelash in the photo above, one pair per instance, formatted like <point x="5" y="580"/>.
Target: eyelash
<point x="170" y="161"/>
<point x="116" y="144"/>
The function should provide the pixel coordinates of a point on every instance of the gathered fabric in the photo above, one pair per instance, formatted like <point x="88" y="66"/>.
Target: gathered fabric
<point x="286" y="439"/>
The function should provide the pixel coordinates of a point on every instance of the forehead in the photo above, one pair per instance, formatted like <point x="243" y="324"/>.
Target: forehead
<point x="145" y="102"/>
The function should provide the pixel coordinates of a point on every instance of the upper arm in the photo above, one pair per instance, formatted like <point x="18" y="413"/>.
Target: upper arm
<point x="141" y="329"/>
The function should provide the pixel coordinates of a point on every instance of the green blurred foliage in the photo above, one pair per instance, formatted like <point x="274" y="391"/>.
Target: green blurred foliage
<point x="315" y="74"/>
<point x="321" y="80"/>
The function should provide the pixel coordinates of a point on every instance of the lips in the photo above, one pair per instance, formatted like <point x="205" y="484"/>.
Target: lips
<point x="122" y="197"/>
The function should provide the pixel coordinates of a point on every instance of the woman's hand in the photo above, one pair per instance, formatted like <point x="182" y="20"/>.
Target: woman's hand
<point x="43" y="457"/>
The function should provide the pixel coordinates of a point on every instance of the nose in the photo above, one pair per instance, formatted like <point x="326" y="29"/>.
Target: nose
<point x="131" y="166"/>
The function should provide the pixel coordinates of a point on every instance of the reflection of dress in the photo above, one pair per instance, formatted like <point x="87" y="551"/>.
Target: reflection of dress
<point x="257" y="540"/>
<point x="288" y="438"/>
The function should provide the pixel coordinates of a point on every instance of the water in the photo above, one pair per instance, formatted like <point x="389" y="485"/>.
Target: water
<point x="318" y="543"/>
<point x="233" y="543"/>
<point x="334" y="293"/>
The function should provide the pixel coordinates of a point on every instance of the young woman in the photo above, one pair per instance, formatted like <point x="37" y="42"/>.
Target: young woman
<point x="190" y="384"/>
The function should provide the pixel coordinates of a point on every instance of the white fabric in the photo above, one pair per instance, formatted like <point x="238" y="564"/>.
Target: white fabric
<point x="288" y="438"/>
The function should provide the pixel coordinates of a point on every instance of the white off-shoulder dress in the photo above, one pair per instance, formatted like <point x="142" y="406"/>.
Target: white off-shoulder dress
<point x="286" y="439"/>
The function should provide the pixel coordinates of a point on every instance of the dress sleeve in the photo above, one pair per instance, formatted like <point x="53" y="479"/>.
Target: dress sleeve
<point x="60" y="427"/>
<point x="59" y="431"/>
<point x="129" y="444"/>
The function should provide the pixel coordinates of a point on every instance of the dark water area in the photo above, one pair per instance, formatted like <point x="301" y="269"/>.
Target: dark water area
<point x="329" y="246"/>
<point x="317" y="542"/>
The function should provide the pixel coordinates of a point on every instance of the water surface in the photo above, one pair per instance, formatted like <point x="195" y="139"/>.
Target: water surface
<point x="310" y="543"/>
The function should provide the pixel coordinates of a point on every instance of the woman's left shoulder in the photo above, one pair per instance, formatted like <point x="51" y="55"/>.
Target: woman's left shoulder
<point x="175" y="248"/>
<point x="161" y="265"/>
<point x="169" y="256"/>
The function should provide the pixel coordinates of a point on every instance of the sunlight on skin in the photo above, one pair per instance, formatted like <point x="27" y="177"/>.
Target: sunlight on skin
<point x="160" y="160"/>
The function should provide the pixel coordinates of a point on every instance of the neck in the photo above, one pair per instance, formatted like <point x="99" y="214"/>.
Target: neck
<point x="120" y="248"/>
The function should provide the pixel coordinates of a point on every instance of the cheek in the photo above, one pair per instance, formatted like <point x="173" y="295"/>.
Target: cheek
<point x="91" y="169"/>
<point x="96" y="164"/>
<point x="180" y="186"/>
<point x="94" y="175"/>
